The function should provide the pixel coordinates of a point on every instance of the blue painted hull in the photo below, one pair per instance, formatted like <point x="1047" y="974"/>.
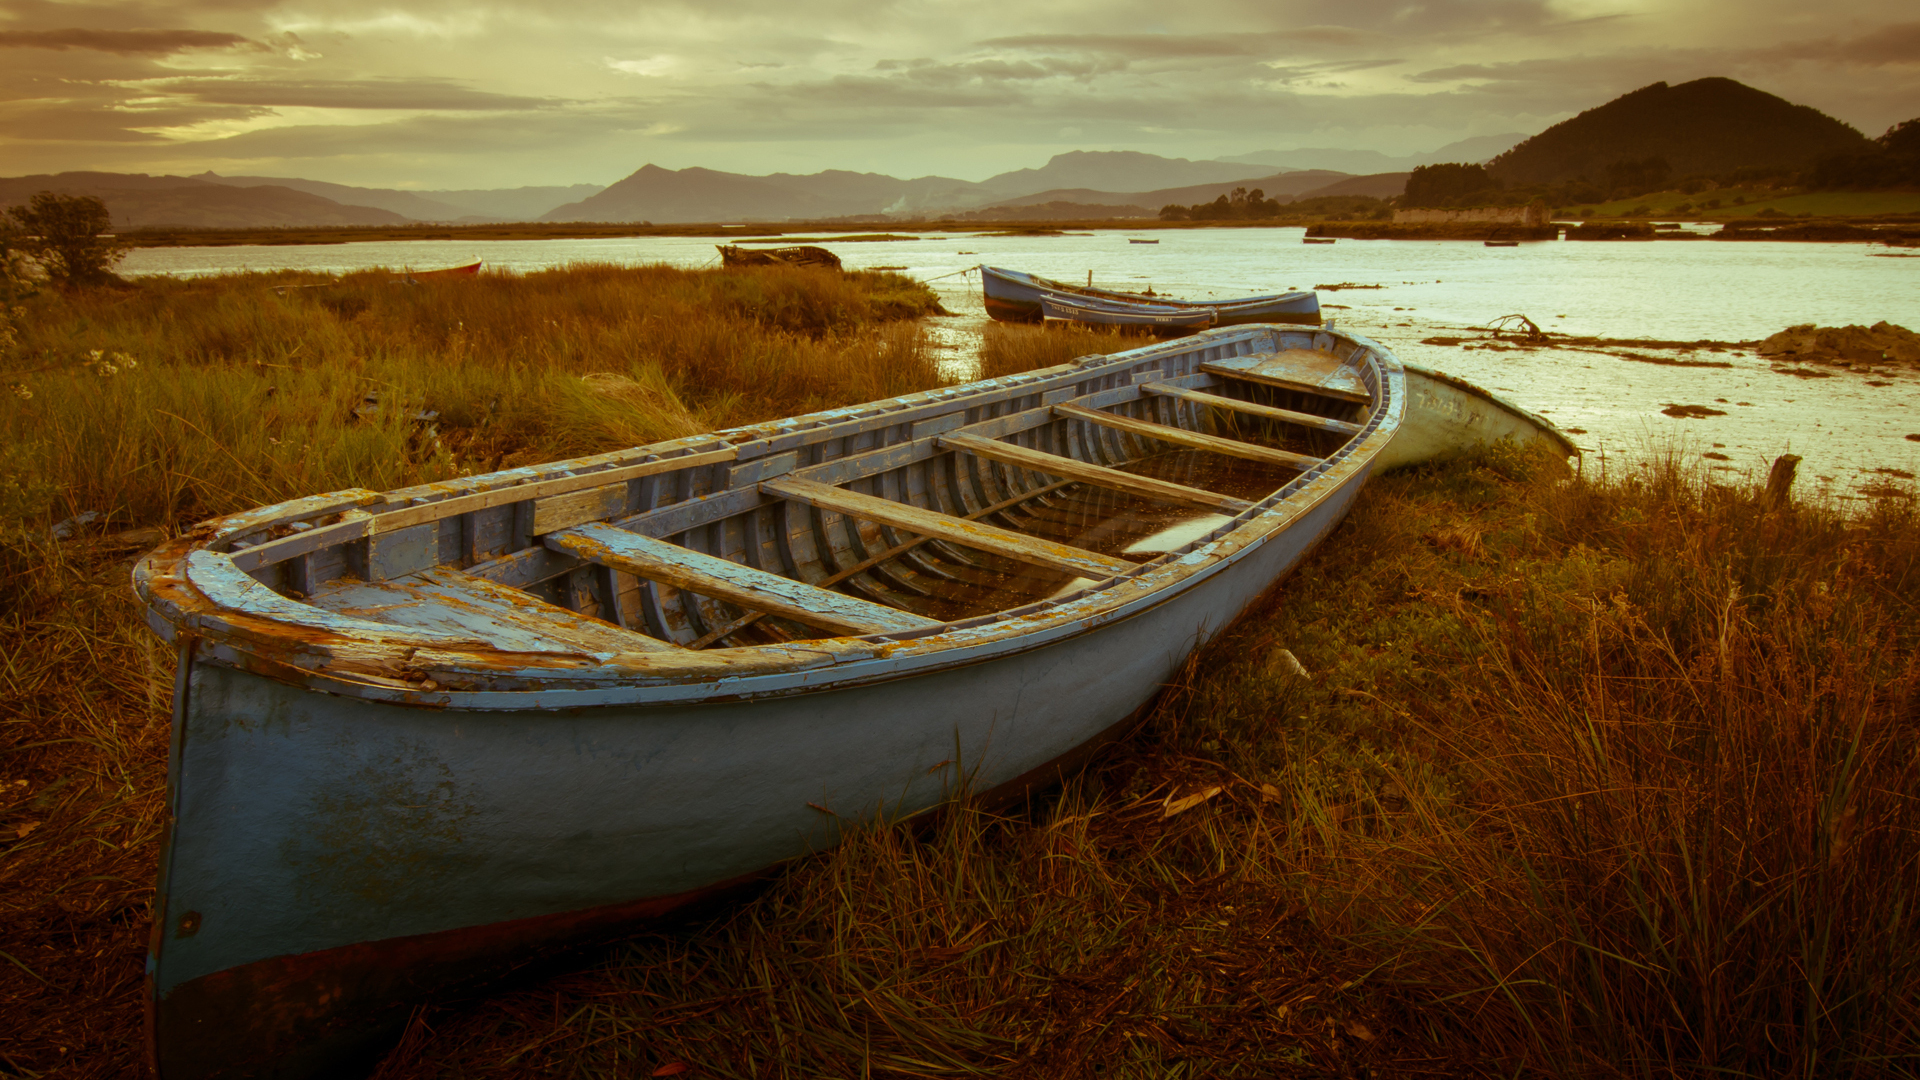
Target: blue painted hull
<point x="343" y="843"/>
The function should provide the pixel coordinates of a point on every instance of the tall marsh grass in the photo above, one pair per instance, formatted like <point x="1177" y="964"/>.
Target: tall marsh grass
<point x="1595" y="777"/>
<point x="160" y="404"/>
<point x="181" y="399"/>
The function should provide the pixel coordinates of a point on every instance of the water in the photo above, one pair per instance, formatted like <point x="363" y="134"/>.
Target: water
<point x="1850" y="433"/>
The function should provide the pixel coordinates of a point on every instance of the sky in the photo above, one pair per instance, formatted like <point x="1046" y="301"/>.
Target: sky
<point x="428" y="94"/>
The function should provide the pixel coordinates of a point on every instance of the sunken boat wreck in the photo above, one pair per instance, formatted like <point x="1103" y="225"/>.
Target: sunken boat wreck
<point x="422" y="734"/>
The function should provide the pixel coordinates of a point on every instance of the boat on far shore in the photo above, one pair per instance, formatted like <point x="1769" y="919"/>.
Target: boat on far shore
<point x="1015" y="296"/>
<point x="1130" y="240"/>
<point x="463" y="270"/>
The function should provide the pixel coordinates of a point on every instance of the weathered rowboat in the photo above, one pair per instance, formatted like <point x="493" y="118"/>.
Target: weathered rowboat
<point x="463" y="270"/>
<point x="1014" y="296"/>
<point x="421" y="734"/>
<point x="1446" y="414"/>
<point x="1165" y="320"/>
<point x="803" y="255"/>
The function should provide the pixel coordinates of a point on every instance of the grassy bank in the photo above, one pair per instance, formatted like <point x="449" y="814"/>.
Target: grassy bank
<point x="1523" y="773"/>
<point x="1583" y="777"/>
<point x="162" y="404"/>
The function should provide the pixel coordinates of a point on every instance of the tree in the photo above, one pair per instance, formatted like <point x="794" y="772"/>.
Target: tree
<point x="68" y="235"/>
<point x="1449" y="184"/>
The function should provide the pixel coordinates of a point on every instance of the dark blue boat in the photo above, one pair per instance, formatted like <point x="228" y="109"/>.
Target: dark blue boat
<point x="1014" y="296"/>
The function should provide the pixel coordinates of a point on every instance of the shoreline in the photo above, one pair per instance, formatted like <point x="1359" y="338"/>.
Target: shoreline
<point x="1900" y="230"/>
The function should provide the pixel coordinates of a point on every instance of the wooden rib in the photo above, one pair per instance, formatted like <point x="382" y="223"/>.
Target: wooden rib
<point x="1099" y="475"/>
<point x="872" y="561"/>
<point x="684" y="568"/>
<point x="1183" y="437"/>
<point x="1288" y="384"/>
<point x="955" y="530"/>
<point x="273" y="551"/>
<point x="1201" y="397"/>
<point x="446" y="599"/>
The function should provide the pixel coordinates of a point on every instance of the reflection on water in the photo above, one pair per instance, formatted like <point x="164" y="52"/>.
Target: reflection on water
<point x="1679" y="291"/>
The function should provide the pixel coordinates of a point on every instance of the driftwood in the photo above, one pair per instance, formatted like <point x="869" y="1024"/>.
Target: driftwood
<point x="1780" y="481"/>
<point x="734" y="255"/>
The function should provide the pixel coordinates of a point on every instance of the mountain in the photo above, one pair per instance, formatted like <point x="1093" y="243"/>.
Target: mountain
<point x="502" y="204"/>
<point x="1478" y="149"/>
<point x="1113" y="170"/>
<point x="407" y="204"/>
<point x="513" y="204"/>
<point x="663" y="195"/>
<point x="1707" y="126"/>
<point x="1377" y="186"/>
<point x="137" y="200"/>
<point x="1284" y="186"/>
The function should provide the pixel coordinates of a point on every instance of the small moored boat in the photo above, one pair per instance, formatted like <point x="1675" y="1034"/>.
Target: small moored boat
<point x="1130" y="240"/>
<point x="1014" y="296"/>
<point x="803" y="255"/>
<point x="463" y="270"/>
<point x="422" y="734"/>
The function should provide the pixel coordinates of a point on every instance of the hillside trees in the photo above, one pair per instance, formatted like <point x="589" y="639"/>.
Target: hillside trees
<point x="1450" y="184"/>
<point x="68" y="236"/>
<point x="1239" y="204"/>
<point x="1891" y="161"/>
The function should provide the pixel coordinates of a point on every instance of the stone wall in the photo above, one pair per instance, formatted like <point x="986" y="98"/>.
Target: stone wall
<point x="1534" y="213"/>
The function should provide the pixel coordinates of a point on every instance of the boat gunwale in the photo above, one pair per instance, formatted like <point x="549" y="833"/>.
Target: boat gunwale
<point x="343" y="663"/>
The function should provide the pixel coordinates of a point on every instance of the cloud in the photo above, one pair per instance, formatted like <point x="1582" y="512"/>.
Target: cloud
<point x="421" y="95"/>
<point x="125" y="42"/>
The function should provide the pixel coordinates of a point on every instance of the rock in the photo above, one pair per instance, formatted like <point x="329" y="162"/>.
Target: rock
<point x="71" y="527"/>
<point x="1283" y="662"/>
<point x="1844" y="346"/>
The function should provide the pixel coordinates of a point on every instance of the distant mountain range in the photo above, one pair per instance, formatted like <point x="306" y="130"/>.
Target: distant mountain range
<point x="1705" y="127"/>
<point x="1474" y="151"/>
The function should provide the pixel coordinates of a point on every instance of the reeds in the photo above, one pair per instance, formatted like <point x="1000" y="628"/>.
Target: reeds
<point x="155" y="406"/>
<point x="182" y="399"/>
<point x="1588" y="778"/>
<point x="1011" y="348"/>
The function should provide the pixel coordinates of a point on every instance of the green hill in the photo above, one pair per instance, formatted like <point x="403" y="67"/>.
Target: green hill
<point x="1704" y="127"/>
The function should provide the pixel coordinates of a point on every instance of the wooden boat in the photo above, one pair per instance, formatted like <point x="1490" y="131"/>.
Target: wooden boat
<point x="1130" y="240"/>
<point x="1316" y="239"/>
<point x="425" y="733"/>
<point x="1446" y="414"/>
<point x="1501" y="243"/>
<point x="463" y="270"/>
<point x="805" y="255"/>
<point x="1014" y="296"/>
<point x="1165" y="320"/>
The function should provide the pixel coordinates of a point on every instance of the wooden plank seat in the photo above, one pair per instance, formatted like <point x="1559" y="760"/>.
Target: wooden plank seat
<point x="1268" y="412"/>
<point x="1183" y="437"/>
<point x="445" y="599"/>
<point x="722" y="579"/>
<point x="872" y="561"/>
<point x="954" y="530"/>
<point x="1310" y="371"/>
<point x="1100" y="475"/>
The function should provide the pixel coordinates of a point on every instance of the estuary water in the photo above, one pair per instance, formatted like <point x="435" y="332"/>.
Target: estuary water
<point x="1854" y="430"/>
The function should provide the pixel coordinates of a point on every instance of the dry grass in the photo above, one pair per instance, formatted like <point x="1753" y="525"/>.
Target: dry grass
<point x="236" y="395"/>
<point x="1588" y="778"/>
<point x="1011" y="348"/>
<point x="1603" y="776"/>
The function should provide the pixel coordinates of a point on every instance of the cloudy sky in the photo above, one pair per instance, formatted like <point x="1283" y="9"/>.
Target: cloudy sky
<point x="497" y="93"/>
